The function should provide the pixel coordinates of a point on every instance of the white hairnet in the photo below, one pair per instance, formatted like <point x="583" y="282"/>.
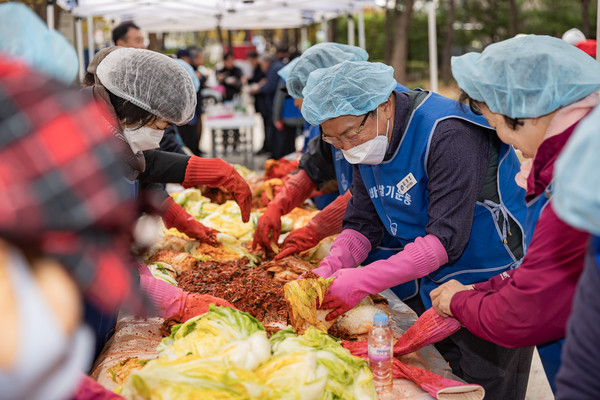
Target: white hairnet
<point x="322" y="55"/>
<point x="527" y="77"/>
<point x="348" y="88"/>
<point x="573" y="36"/>
<point x="577" y="177"/>
<point x="25" y="36"/>
<point x="151" y="81"/>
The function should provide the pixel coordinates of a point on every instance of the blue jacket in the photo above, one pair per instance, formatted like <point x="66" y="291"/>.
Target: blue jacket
<point x="398" y="189"/>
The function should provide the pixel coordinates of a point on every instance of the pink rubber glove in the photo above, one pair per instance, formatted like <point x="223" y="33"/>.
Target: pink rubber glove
<point x="350" y="286"/>
<point x="173" y="302"/>
<point x="326" y="223"/>
<point x="268" y="228"/>
<point x="348" y="250"/>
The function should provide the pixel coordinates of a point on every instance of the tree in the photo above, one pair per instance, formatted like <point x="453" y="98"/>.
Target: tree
<point x="585" y="17"/>
<point x="389" y="29"/>
<point x="402" y="17"/>
<point x="513" y="25"/>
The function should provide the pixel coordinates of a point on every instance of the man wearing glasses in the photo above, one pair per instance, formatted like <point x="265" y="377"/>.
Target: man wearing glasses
<point x="434" y="176"/>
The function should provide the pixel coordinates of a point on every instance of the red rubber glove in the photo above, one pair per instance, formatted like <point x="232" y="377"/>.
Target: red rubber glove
<point x="297" y="189"/>
<point x="174" y="216"/>
<point x="215" y="172"/>
<point x="326" y="223"/>
<point x="196" y="304"/>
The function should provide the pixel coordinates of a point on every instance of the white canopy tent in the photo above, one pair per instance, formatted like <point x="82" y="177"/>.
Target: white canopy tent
<point x="202" y="15"/>
<point x="199" y="15"/>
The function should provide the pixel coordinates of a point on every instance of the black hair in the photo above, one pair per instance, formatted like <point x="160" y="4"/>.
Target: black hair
<point x="473" y="104"/>
<point x="121" y="30"/>
<point x="227" y="55"/>
<point x="130" y="114"/>
<point x="252" y="54"/>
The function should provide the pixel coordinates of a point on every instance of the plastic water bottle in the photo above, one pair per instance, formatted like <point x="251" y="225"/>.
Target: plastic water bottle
<point x="381" y="353"/>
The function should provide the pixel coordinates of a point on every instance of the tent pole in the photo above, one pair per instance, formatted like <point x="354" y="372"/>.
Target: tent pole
<point x="433" y="70"/>
<point x="50" y="14"/>
<point x="351" y="29"/>
<point x="90" y="37"/>
<point x="304" y="38"/>
<point x="79" y="42"/>
<point x="361" y="28"/>
<point x="323" y="30"/>
<point x="598" y="33"/>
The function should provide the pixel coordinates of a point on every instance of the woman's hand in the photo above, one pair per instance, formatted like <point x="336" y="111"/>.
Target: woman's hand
<point x="441" y="297"/>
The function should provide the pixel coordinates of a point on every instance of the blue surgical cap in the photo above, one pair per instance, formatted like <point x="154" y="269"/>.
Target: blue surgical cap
<point x="348" y="88"/>
<point x="24" y="36"/>
<point x="322" y="55"/>
<point x="577" y="177"/>
<point x="528" y="76"/>
<point x="284" y="72"/>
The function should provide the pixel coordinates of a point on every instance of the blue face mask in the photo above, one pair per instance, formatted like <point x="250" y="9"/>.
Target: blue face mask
<point x="370" y="152"/>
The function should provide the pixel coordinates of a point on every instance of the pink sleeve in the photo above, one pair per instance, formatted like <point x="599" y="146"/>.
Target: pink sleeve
<point x="168" y="299"/>
<point x="419" y="258"/>
<point x="516" y="315"/>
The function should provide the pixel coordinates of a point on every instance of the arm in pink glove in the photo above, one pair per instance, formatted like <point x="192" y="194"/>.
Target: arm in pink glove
<point x="173" y="302"/>
<point x="326" y="223"/>
<point x="174" y="216"/>
<point x="424" y="255"/>
<point x="296" y="189"/>
<point x="348" y="250"/>
<point x="215" y="172"/>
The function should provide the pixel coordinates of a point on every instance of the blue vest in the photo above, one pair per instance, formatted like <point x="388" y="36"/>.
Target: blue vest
<point x="402" y="203"/>
<point x="389" y="245"/>
<point x="534" y="210"/>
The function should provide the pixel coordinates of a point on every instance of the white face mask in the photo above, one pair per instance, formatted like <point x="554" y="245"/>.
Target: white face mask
<point x="144" y="138"/>
<point x="370" y="152"/>
<point x="49" y="362"/>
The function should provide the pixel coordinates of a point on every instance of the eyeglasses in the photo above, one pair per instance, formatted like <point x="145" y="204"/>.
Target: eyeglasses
<point x="350" y="137"/>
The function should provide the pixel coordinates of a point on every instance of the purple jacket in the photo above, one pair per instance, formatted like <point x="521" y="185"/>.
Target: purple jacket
<point x="531" y="304"/>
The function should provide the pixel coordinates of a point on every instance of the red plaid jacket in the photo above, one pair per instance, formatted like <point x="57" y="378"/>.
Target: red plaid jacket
<point x="61" y="182"/>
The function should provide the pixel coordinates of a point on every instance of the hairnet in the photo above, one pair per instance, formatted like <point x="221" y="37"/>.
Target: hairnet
<point x="348" y="88"/>
<point x="527" y="77"/>
<point x="284" y="72"/>
<point x="322" y="55"/>
<point x="577" y="177"/>
<point x="25" y="36"/>
<point x="151" y="81"/>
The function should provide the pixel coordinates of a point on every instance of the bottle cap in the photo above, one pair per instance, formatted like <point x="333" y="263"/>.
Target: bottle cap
<point x="380" y="318"/>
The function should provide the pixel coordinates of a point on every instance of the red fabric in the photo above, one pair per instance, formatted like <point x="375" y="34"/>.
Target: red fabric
<point x="589" y="46"/>
<point x="216" y="172"/>
<point x="89" y="389"/>
<point x="428" y="329"/>
<point x="326" y="223"/>
<point x="435" y="384"/>
<point x="530" y="305"/>
<point x="175" y="216"/>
